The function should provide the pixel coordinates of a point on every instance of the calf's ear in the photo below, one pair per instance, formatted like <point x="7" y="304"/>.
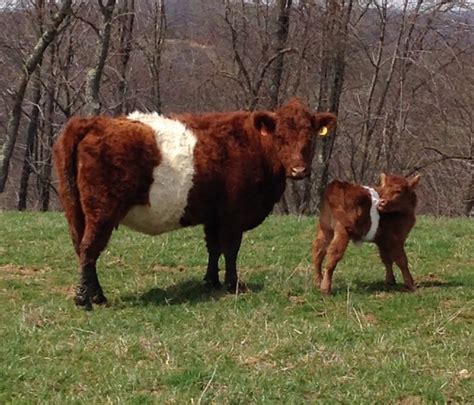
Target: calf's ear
<point x="323" y="122"/>
<point x="265" y="122"/>
<point x="383" y="179"/>
<point x="413" y="181"/>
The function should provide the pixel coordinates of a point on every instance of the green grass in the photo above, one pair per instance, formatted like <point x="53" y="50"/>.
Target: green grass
<point x="165" y="339"/>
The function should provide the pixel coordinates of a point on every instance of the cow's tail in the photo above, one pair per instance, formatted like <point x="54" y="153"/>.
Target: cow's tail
<point x="65" y="162"/>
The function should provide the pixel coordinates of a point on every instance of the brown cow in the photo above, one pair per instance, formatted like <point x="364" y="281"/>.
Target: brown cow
<point x="384" y="215"/>
<point x="155" y="174"/>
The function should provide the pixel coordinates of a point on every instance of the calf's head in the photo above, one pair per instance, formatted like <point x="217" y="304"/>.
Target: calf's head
<point x="397" y="194"/>
<point x="293" y="128"/>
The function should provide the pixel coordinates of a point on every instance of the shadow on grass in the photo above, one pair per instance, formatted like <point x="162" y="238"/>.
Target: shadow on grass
<point x="362" y="287"/>
<point x="189" y="291"/>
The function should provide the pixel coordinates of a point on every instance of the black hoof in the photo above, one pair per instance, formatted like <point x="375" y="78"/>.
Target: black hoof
<point x="99" y="299"/>
<point x="237" y="288"/>
<point x="212" y="283"/>
<point x="83" y="301"/>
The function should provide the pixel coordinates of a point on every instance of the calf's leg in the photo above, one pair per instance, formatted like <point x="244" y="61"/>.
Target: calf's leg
<point x="335" y="252"/>
<point x="401" y="260"/>
<point x="214" y="251"/>
<point x="386" y="256"/>
<point x="320" y="246"/>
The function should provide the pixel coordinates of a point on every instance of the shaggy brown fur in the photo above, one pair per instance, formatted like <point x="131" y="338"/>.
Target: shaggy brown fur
<point x="241" y="161"/>
<point x="345" y="216"/>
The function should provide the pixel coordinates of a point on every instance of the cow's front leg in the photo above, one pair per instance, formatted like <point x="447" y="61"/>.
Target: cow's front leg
<point x="214" y="251"/>
<point x="230" y="244"/>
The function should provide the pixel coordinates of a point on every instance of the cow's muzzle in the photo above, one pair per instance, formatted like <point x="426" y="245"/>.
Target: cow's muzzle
<point x="298" y="172"/>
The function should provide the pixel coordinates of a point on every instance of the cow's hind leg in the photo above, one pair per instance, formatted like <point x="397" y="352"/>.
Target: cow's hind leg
<point x="320" y="246"/>
<point x="95" y="239"/>
<point x="214" y="251"/>
<point x="336" y="250"/>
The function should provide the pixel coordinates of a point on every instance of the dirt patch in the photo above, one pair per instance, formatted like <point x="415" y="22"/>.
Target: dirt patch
<point x="11" y="271"/>
<point x="370" y="319"/>
<point x="411" y="400"/>
<point x="430" y="280"/>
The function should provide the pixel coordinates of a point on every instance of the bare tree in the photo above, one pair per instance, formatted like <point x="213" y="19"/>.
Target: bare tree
<point x="152" y="45"/>
<point x="126" y="22"/>
<point x="94" y="75"/>
<point x="30" y="66"/>
<point x="31" y="136"/>
<point x="280" y="40"/>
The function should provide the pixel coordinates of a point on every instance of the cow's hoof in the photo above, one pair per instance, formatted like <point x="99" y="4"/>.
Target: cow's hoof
<point x="409" y="288"/>
<point x="83" y="301"/>
<point x="99" y="299"/>
<point x="212" y="283"/>
<point x="237" y="288"/>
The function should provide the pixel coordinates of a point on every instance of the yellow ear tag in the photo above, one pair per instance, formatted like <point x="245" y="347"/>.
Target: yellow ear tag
<point x="323" y="131"/>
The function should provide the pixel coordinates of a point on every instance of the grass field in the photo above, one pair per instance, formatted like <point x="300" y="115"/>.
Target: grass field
<point x="165" y="339"/>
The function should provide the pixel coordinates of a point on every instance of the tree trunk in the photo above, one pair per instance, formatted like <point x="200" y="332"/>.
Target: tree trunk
<point x="303" y="197"/>
<point x="153" y="51"/>
<point x="127" y="19"/>
<point x="30" y="66"/>
<point x="331" y="84"/>
<point x="281" y="36"/>
<point x="46" y="164"/>
<point x="287" y="203"/>
<point x="469" y="199"/>
<point x="94" y="75"/>
<point x="30" y="141"/>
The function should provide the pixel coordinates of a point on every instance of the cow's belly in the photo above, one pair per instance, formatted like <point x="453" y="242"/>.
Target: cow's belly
<point x="172" y="178"/>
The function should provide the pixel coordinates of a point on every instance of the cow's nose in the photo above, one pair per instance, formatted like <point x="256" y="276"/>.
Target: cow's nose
<point x="298" y="172"/>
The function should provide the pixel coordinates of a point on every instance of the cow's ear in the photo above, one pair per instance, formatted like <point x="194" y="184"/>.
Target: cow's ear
<point x="323" y="122"/>
<point x="265" y="122"/>
<point x="383" y="179"/>
<point x="413" y="181"/>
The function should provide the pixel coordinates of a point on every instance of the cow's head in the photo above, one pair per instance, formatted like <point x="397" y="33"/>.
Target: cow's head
<point x="397" y="194"/>
<point x="292" y="128"/>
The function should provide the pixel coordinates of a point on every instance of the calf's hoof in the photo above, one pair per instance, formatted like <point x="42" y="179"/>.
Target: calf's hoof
<point x="326" y="287"/>
<point x="390" y="282"/>
<point x="409" y="288"/>
<point x="325" y="291"/>
<point x="317" y="282"/>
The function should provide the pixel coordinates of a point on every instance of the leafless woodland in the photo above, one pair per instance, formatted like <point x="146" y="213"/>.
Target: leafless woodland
<point x="398" y="73"/>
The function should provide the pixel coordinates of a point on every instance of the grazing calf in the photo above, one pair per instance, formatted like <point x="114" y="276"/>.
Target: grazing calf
<point x="155" y="174"/>
<point x="384" y="216"/>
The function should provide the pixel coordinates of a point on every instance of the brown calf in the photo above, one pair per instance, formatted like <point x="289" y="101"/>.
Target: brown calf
<point x="155" y="174"/>
<point x="384" y="215"/>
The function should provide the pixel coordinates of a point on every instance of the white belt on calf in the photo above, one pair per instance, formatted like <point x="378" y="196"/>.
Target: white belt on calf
<point x="374" y="215"/>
